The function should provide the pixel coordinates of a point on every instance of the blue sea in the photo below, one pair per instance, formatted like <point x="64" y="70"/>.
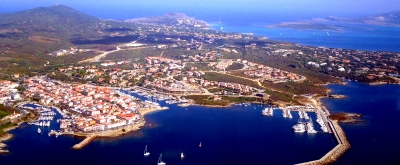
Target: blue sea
<point x="353" y="36"/>
<point x="233" y="135"/>
<point x="375" y="141"/>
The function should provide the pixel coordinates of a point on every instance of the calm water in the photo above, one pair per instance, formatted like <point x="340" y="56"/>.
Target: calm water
<point x="237" y="135"/>
<point x="377" y="140"/>
<point x="354" y="36"/>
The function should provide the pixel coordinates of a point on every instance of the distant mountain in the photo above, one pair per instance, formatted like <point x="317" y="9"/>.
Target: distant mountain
<point x="390" y="18"/>
<point x="172" y="19"/>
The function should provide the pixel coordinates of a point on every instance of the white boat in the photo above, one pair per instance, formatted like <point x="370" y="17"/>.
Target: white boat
<point x="182" y="156"/>
<point x="310" y="127"/>
<point x="299" y="127"/>
<point x="160" y="162"/>
<point x="284" y="113"/>
<point x="305" y="115"/>
<point x="267" y="112"/>
<point x="324" y="128"/>
<point x="289" y="114"/>
<point x="300" y="115"/>
<point x="38" y="130"/>
<point x="200" y="145"/>
<point x="146" y="153"/>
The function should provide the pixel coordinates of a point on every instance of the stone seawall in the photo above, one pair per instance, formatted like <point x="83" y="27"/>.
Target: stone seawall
<point x="84" y="142"/>
<point x="336" y="152"/>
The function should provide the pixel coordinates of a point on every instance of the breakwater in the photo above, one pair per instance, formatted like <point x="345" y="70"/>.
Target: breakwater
<point x="84" y="142"/>
<point x="336" y="152"/>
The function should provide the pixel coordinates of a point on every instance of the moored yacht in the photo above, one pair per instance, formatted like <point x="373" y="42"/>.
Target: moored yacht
<point x="284" y="113"/>
<point x="299" y="127"/>
<point x="268" y="112"/>
<point x="289" y="114"/>
<point x="310" y="127"/>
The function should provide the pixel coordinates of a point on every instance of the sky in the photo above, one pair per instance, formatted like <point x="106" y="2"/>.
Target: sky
<point x="212" y="10"/>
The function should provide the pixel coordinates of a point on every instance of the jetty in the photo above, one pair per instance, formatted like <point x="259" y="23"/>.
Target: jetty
<point x="342" y="146"/>
<point x="84" y="142"/>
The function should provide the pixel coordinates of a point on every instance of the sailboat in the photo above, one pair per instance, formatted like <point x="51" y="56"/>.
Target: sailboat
<point x="146" y="153"/>
<point x="200" y="145"/>
<point x="182" y="156"/>
<point x="160" y="162"/>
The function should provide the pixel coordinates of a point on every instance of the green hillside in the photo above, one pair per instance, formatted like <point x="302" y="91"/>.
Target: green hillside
<point x="30" y="35"/>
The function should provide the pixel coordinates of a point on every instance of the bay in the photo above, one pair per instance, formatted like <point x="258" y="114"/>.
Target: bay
<point x="353" y="36"/>
<point x="234" y="135"/>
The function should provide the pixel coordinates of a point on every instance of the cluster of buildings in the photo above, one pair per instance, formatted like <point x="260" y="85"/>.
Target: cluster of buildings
<point x="352" y="62"/>
<point x="95" y="108"/>
<point x="223" y="64"/>
<point x="70" y="51"/>
<point x="174" y="87"/>
<point x="8" y="91"/>
<point x="204" y="57"/>
<point x="273" y="75"/>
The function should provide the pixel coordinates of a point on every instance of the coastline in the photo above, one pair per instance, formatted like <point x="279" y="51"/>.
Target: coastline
<point x="7" y="136"/>
<point x="113" y="133"/>
<point x="343" y="144"/>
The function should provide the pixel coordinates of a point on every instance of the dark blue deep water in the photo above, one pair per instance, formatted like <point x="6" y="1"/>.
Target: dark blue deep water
<point x="377" y="140"/>
<point x="236" y="135"/>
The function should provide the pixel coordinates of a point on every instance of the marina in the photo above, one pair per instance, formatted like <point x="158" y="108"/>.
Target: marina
<point x="172" y="147"/>
<point x="155" y="102"/>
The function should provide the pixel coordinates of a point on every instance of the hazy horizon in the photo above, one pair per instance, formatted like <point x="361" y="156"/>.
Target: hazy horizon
<point x="209" y="10"/>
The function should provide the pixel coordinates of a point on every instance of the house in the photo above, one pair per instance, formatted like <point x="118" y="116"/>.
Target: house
<point x="216" y="98"/>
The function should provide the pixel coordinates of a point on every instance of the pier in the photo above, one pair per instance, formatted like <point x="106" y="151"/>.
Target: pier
<point x="336" y="152"/>
<point x="84" y="142"/>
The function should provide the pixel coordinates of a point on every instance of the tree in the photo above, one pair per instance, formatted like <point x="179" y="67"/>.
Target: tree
<point x="20" y="88"/>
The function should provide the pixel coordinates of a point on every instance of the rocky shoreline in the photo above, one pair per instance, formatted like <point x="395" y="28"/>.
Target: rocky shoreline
<point x="2" y="145"/>
<point x="347" y="117"/>
<point x="337" y="96"/>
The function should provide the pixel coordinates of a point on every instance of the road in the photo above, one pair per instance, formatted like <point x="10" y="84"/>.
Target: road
<point x="255" y="80"/>
<point x="105" y="53"/>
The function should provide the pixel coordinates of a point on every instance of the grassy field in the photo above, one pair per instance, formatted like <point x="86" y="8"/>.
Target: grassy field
<point x="208" y="100"/>
<point x="4" y="126"/>
<point x="5" y="58"/>
<point x="297" y="88"/>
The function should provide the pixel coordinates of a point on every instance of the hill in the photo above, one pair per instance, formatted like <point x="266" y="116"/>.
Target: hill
<point x="389" y="19"/>
<point x="31" y="34"/>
